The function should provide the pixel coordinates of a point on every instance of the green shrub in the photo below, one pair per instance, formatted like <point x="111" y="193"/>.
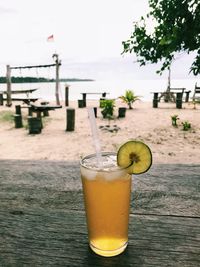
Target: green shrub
<point x="107" y="106"/>
<point x="129" y="98"/>
<point x="186" y="125"/>
<point x="174" y="119"/>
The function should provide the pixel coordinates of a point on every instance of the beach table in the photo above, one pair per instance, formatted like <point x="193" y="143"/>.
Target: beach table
<point x="84" y="96"/>
<point x="22" y="99"/>
<point x="42" y="219"/>
<point x="27" y="100"/>
<point x="173" y="95"/>
<point x="44" y="107"/>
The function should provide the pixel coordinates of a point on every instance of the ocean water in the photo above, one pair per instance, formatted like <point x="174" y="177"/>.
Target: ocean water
<point x="115" y="88"/>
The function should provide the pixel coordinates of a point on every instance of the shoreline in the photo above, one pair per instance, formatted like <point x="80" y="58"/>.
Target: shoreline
<point x="151" y="125"/>
<point x="141" y="87"/>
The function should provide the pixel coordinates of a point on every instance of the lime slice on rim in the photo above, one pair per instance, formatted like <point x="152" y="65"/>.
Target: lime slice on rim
<point x="136" y="156"/>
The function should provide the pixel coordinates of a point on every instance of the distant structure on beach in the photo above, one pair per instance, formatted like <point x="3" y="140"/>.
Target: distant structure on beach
<point x="9" y="81"/>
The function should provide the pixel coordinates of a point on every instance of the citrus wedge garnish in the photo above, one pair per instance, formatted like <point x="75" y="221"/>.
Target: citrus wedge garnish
<point x="136" y="156"/>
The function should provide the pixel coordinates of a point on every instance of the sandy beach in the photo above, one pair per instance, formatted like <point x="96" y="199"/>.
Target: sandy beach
<point x="153" y="126"/>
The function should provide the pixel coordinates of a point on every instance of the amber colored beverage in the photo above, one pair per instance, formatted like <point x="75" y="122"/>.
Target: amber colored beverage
<point x="107" y="203"/>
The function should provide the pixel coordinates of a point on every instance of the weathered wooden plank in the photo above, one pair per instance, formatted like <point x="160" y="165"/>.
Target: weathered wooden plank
<point x="22" y="91"/>
<point x="25" y="100"/>
<point x="165" y="189"/>
<point x="59" y="238"/>
<point x="42" y="222"/>
<point x="169" y="189"/>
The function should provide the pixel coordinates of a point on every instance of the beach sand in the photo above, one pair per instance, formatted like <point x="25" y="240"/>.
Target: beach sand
<point x="152" y="125"/>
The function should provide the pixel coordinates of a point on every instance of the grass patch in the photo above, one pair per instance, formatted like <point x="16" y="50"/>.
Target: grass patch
<point x="6" y="116"/>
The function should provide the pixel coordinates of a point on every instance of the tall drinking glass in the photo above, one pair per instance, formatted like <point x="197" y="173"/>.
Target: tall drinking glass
<point x="107" y="193"/>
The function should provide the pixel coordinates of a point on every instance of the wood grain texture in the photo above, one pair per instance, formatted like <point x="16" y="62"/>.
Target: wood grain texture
<point x="166" y="189"/>
<point x="58" y="238"/>
<point x="42" y="220"/>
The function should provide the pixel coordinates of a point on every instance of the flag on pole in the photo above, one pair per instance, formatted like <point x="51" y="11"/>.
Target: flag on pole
<point x="50" y="38"/>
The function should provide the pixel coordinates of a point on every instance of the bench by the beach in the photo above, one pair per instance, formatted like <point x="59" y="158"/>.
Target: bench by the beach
<point x="34" y="122"/>
<point x="196" y="95"/>
<point x="171" y="95"/>
<point x="43" y="108"/>
<point x="24" y="100"/>
<point x="82" y="102"/>
<point x="27" y="100"/>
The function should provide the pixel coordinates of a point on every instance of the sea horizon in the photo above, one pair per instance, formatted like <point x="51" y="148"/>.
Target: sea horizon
<point x="114" y="88"/>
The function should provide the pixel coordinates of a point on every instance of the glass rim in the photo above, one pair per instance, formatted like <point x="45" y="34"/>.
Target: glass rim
<point x="112" y="169"/>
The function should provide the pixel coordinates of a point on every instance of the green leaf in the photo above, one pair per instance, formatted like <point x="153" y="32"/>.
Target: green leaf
<point x="177" y="29"/>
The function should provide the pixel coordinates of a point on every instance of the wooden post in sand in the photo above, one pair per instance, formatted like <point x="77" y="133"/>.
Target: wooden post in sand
<point x="45" y="112"/>
<point x="121" y="112"/>
<point x="1" y="99"/>
<point x="8" y="78"/>
<point x="58" y="63"/>
<point x="18" y="121"/>
<point x="84" y="100"/>
<point x="155" y="100"/>
<point x="35" y="125"/>
<point x="66" y="95"/>
<point x="18" y="117"/>
<point x="18" y="110"/>
<point x="80" y="103"/>
<point x="70" y="119"/>
<point x="179" y="97"/>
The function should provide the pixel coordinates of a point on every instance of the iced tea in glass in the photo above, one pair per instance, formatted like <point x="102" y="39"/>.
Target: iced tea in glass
<point x="107" y="192"/>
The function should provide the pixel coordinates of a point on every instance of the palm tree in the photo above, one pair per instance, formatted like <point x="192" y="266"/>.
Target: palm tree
<point x="129" y="98"/>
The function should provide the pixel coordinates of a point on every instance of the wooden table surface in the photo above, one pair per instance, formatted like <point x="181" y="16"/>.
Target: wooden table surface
<point x="42" y="219"/>
<point x="44" y="107"/>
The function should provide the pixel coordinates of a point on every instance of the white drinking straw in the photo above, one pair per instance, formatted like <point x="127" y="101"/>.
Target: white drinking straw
<point x="95" y="136"/>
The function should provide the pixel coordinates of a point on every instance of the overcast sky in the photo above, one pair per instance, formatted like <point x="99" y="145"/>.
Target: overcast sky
<point x="84" y="31"/>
